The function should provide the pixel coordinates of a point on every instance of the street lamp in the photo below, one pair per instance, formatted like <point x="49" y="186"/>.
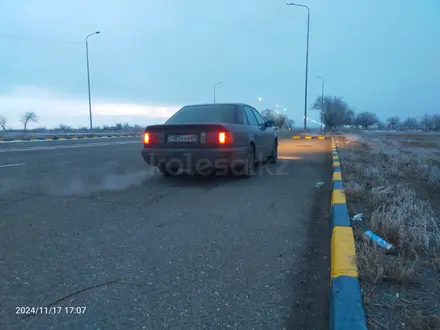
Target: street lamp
<point x="88" y="77"/>
<point x="215" y="85"/>
<point x="322" y="99"/>
<point x="307" y="59"/>
<point x="260" y="99"/>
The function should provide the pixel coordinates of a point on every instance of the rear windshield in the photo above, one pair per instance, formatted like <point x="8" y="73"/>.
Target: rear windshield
<point x="204" y="114"/>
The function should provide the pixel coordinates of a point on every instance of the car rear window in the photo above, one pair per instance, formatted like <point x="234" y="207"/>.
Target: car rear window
<point x="204" y="114"/>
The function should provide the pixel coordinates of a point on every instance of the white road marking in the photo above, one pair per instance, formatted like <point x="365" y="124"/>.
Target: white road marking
<point x="12" y="165"/>
<point x="98" y="144"/>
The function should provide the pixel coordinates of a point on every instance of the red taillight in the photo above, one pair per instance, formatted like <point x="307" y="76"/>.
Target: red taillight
<point x="222" y="137"/>
<point x="218" y="138"/>
<point x="151" y="138"/>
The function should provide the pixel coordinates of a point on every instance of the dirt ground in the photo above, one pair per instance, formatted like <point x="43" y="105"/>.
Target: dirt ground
<point x="393" y="180"/>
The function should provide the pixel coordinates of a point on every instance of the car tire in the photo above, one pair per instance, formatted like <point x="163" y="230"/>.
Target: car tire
<point x="274" y="154"/>
<point x="250" y="165"/>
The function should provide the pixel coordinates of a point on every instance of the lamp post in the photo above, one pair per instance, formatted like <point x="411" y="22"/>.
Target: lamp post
<point x="307" y="60"/>
<point x="322" y="98"/>
<point x="88" y="77"/>
<point x="215" y="85"/>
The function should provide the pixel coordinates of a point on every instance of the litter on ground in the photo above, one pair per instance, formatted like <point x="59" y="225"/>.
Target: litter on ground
<point x="378" y="239"/>
<point x="357" y="217"/>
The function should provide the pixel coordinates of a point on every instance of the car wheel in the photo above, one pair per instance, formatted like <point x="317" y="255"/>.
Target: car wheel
<point x="249" y="168"/>
<point x="166" y="172"/>
<point x="274" y="154"/>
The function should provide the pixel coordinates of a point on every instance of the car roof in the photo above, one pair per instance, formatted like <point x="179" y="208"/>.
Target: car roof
<point x="215" y="104"/>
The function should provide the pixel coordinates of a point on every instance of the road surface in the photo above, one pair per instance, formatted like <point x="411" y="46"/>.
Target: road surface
<point x="88" y="224"/>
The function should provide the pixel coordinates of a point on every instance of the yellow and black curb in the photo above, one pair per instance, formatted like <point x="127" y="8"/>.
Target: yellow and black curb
<point x="311" y="137"/>
<point x="67" y="137"/>
<point x="346" y="304"/>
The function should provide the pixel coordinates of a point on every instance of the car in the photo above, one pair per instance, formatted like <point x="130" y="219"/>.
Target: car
<point x="233" y="137"/>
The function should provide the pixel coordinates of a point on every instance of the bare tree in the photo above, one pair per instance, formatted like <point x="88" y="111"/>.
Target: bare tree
<point x="279" y="118"/>
<point x="426" y="122"/>
<point x="3" y="122"/>
<point x="350" y="119"/>
<point x="410" y="123"/>
<point x="290" y="123"/>
<point x="435" y="122"/>
<point x="269" y="114"/>
<point x="336" y="111"/>
<point x="381" y="125"/>
<point x="366" y="119"/>
<point x="393" y="122"/>
<point x="28" y="117"/>
<point x="64" y="128"/>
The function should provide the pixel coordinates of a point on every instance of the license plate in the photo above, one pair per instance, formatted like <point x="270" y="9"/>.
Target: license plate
<point x="182" y="138"/>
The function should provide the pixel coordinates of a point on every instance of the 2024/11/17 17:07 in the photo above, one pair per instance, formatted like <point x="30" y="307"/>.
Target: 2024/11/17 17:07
<point x="50" y="310"/>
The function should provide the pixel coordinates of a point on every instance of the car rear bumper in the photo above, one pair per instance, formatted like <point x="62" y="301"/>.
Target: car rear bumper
<point x="195" y="158"/>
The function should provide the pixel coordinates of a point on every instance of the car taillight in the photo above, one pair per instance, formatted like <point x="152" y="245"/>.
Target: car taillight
<point x="218" y="138"/>
<point x="222" y="138"/>
<point x="151" y="138"/>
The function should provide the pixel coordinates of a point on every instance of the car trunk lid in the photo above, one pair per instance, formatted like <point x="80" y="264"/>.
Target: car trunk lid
<point x="184" y="135"/>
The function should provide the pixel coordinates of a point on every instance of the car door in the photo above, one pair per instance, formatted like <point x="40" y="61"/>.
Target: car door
<point x="267" y="133"/>
<point x="258" y="134"/>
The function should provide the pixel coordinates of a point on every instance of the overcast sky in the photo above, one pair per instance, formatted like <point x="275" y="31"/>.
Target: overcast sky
<point x="154" y="56"/>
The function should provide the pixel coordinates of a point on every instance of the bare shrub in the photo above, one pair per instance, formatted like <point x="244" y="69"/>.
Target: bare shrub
<point x="420" y="320"/>
<point x="435" y="263"/>
<point x="404" y="220"/>
<point x="380" y="194"/>
<point x="431" y="174"/>
<point x="376" y="266"/>
<point x="354" y="188"/>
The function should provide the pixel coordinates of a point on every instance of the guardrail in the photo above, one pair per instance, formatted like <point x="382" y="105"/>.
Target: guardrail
<point x="74" y="136"/>
<point x="311" y="137"/>
<point x="67" y="137"/>
<point x="346" y="304"/>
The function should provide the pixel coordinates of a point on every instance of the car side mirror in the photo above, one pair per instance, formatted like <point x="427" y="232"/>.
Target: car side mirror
<point x="270" y="123"/>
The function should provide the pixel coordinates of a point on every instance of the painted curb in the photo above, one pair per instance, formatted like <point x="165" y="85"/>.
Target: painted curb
<point x="346" y="305"/>
<point x="68" y="137"/>
<point x="310" y="137"/>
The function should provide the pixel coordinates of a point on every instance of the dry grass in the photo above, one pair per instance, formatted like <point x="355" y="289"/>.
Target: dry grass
<point x="420" y="320"/>
<point x="376" y="266"/>
<point x="403" y="219"/>
<point x="422" y="143"/>
<point x="395" y="191"/>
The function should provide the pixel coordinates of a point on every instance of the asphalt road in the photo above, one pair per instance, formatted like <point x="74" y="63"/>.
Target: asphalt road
<point x="88" y="224"/>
